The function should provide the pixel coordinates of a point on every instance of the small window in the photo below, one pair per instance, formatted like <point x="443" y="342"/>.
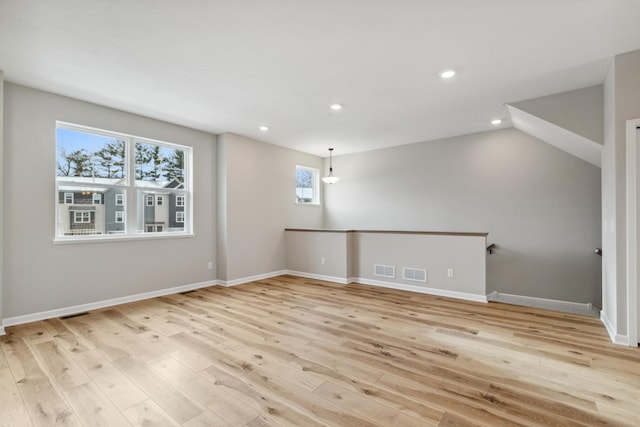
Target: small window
<point x="159" y="200"/>
<point x="154" y="228"/>
<point x="179" y="200"/>
<point x="179" y="216"/>
<point x="149" y="199"/>
<point x="120" y="216"/>
<point x="96" y="198"/>
<point x="68" y="198"/>
<point x="307" y="184"/>
<point x="119" y="199"/>
<point x="81" y="217"/>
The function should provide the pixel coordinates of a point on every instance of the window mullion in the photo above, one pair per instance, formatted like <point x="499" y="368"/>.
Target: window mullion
<point x="131" y="205"/>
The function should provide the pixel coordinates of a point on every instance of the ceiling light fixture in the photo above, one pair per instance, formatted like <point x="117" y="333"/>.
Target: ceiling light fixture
<point x="330" y="179"/>
<point x="264" y="128"/>
<point x="336" y="107"/>
<point x="496" y="122"/>
<point x="447" y="74"/>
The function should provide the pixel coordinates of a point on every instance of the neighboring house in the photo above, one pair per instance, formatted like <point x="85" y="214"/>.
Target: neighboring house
<point x="87" y="208"/>
<point x="81" y="212"/>
<point x="114" y="202"/>
<point x="88" y="211"/>
<point x="164" y="210"/>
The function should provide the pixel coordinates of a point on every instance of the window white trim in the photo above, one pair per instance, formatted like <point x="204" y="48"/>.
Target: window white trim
<point x="96" y="197"/>
<point x="109" y="238"/>
<point x="148" y="199"/>
<point x="180" y="201"/>
<point x="124" y="186"/>
<point x="180" y="217"/>
<point x="159" y="200"/>
<point x="119" y="217"/>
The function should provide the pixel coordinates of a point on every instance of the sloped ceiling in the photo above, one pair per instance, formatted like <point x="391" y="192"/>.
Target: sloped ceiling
<point x="559" y="137"/>
<point x="572" y="121"/>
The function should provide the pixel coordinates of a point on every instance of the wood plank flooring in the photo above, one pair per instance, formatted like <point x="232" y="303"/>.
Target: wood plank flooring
<point x="289" y="351"/>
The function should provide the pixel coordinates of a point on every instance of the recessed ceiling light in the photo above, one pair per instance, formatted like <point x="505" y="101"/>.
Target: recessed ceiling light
<point x="447" y="74"/>
<point x="264" y="128"/>
<point x="496" y="122"/>
<point x="336" y="107"/>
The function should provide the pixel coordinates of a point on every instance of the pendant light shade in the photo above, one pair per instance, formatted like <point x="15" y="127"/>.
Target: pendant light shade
<point x="330" y="179"/>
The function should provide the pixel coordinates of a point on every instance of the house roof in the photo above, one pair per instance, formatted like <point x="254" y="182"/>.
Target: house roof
<point x="231" y="66"/>
<point x="82" y="208"/>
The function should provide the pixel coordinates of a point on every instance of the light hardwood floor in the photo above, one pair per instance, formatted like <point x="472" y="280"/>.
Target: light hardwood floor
<point x="298" y="352"/>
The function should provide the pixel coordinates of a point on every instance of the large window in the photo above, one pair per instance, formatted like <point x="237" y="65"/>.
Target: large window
<point x="307" y="185"/>
<point x="95" y="170"/>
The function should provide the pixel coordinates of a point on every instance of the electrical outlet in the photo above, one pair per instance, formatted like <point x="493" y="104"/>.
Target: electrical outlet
<point x="450" y="272"/>
<point x="210" y="265"/>
<point x="322" y="260"/>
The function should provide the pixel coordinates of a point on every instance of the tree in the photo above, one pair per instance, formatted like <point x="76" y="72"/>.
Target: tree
<point x="76" y="163"/>
<point x="174" y="166"/>
<point x="303" y="178"/>
<point x="142" y="157"/>
<point x="155" y="168"/>
<point x="112" y="159"/>
<point x="64" y="164"/>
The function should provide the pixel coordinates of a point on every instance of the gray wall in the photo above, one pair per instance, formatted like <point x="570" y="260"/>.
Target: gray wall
<point x="351" y="256"/>
<point x="622" y="103"/>
<point x="540" y="205"/>
<point x="40" y="275"/>
<point x="304" y="250"/>
<point x="257" y="203"/>
<point x="221" y="208"/>
<point x="466" y="255"/>
<point x="580" y="111"/>
<point x="1" y="198"/>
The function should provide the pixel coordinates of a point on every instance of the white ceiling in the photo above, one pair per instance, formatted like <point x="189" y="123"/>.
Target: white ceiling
<point x="231" y="66"/>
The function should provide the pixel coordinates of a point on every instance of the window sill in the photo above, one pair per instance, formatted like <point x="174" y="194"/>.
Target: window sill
<point x="306" y="204"/>
<point x="116" y="238"/>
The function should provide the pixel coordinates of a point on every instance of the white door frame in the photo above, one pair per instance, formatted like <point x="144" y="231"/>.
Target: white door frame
<point x="633" y="186"/>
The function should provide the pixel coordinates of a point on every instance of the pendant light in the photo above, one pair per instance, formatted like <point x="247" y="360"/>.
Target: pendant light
<point x="330" y="179"/>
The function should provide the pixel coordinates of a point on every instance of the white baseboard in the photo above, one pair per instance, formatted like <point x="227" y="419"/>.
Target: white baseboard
<point x="548" y="304"/>
<point x="608" y="326"/>
<point x="422" y="289"/>
<point x="234" y="282"/>
<point x="334" y="279"/>
<point x="611" y="330"/>
<point x="345" y="281"/>
<point x="65" y="311"/>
